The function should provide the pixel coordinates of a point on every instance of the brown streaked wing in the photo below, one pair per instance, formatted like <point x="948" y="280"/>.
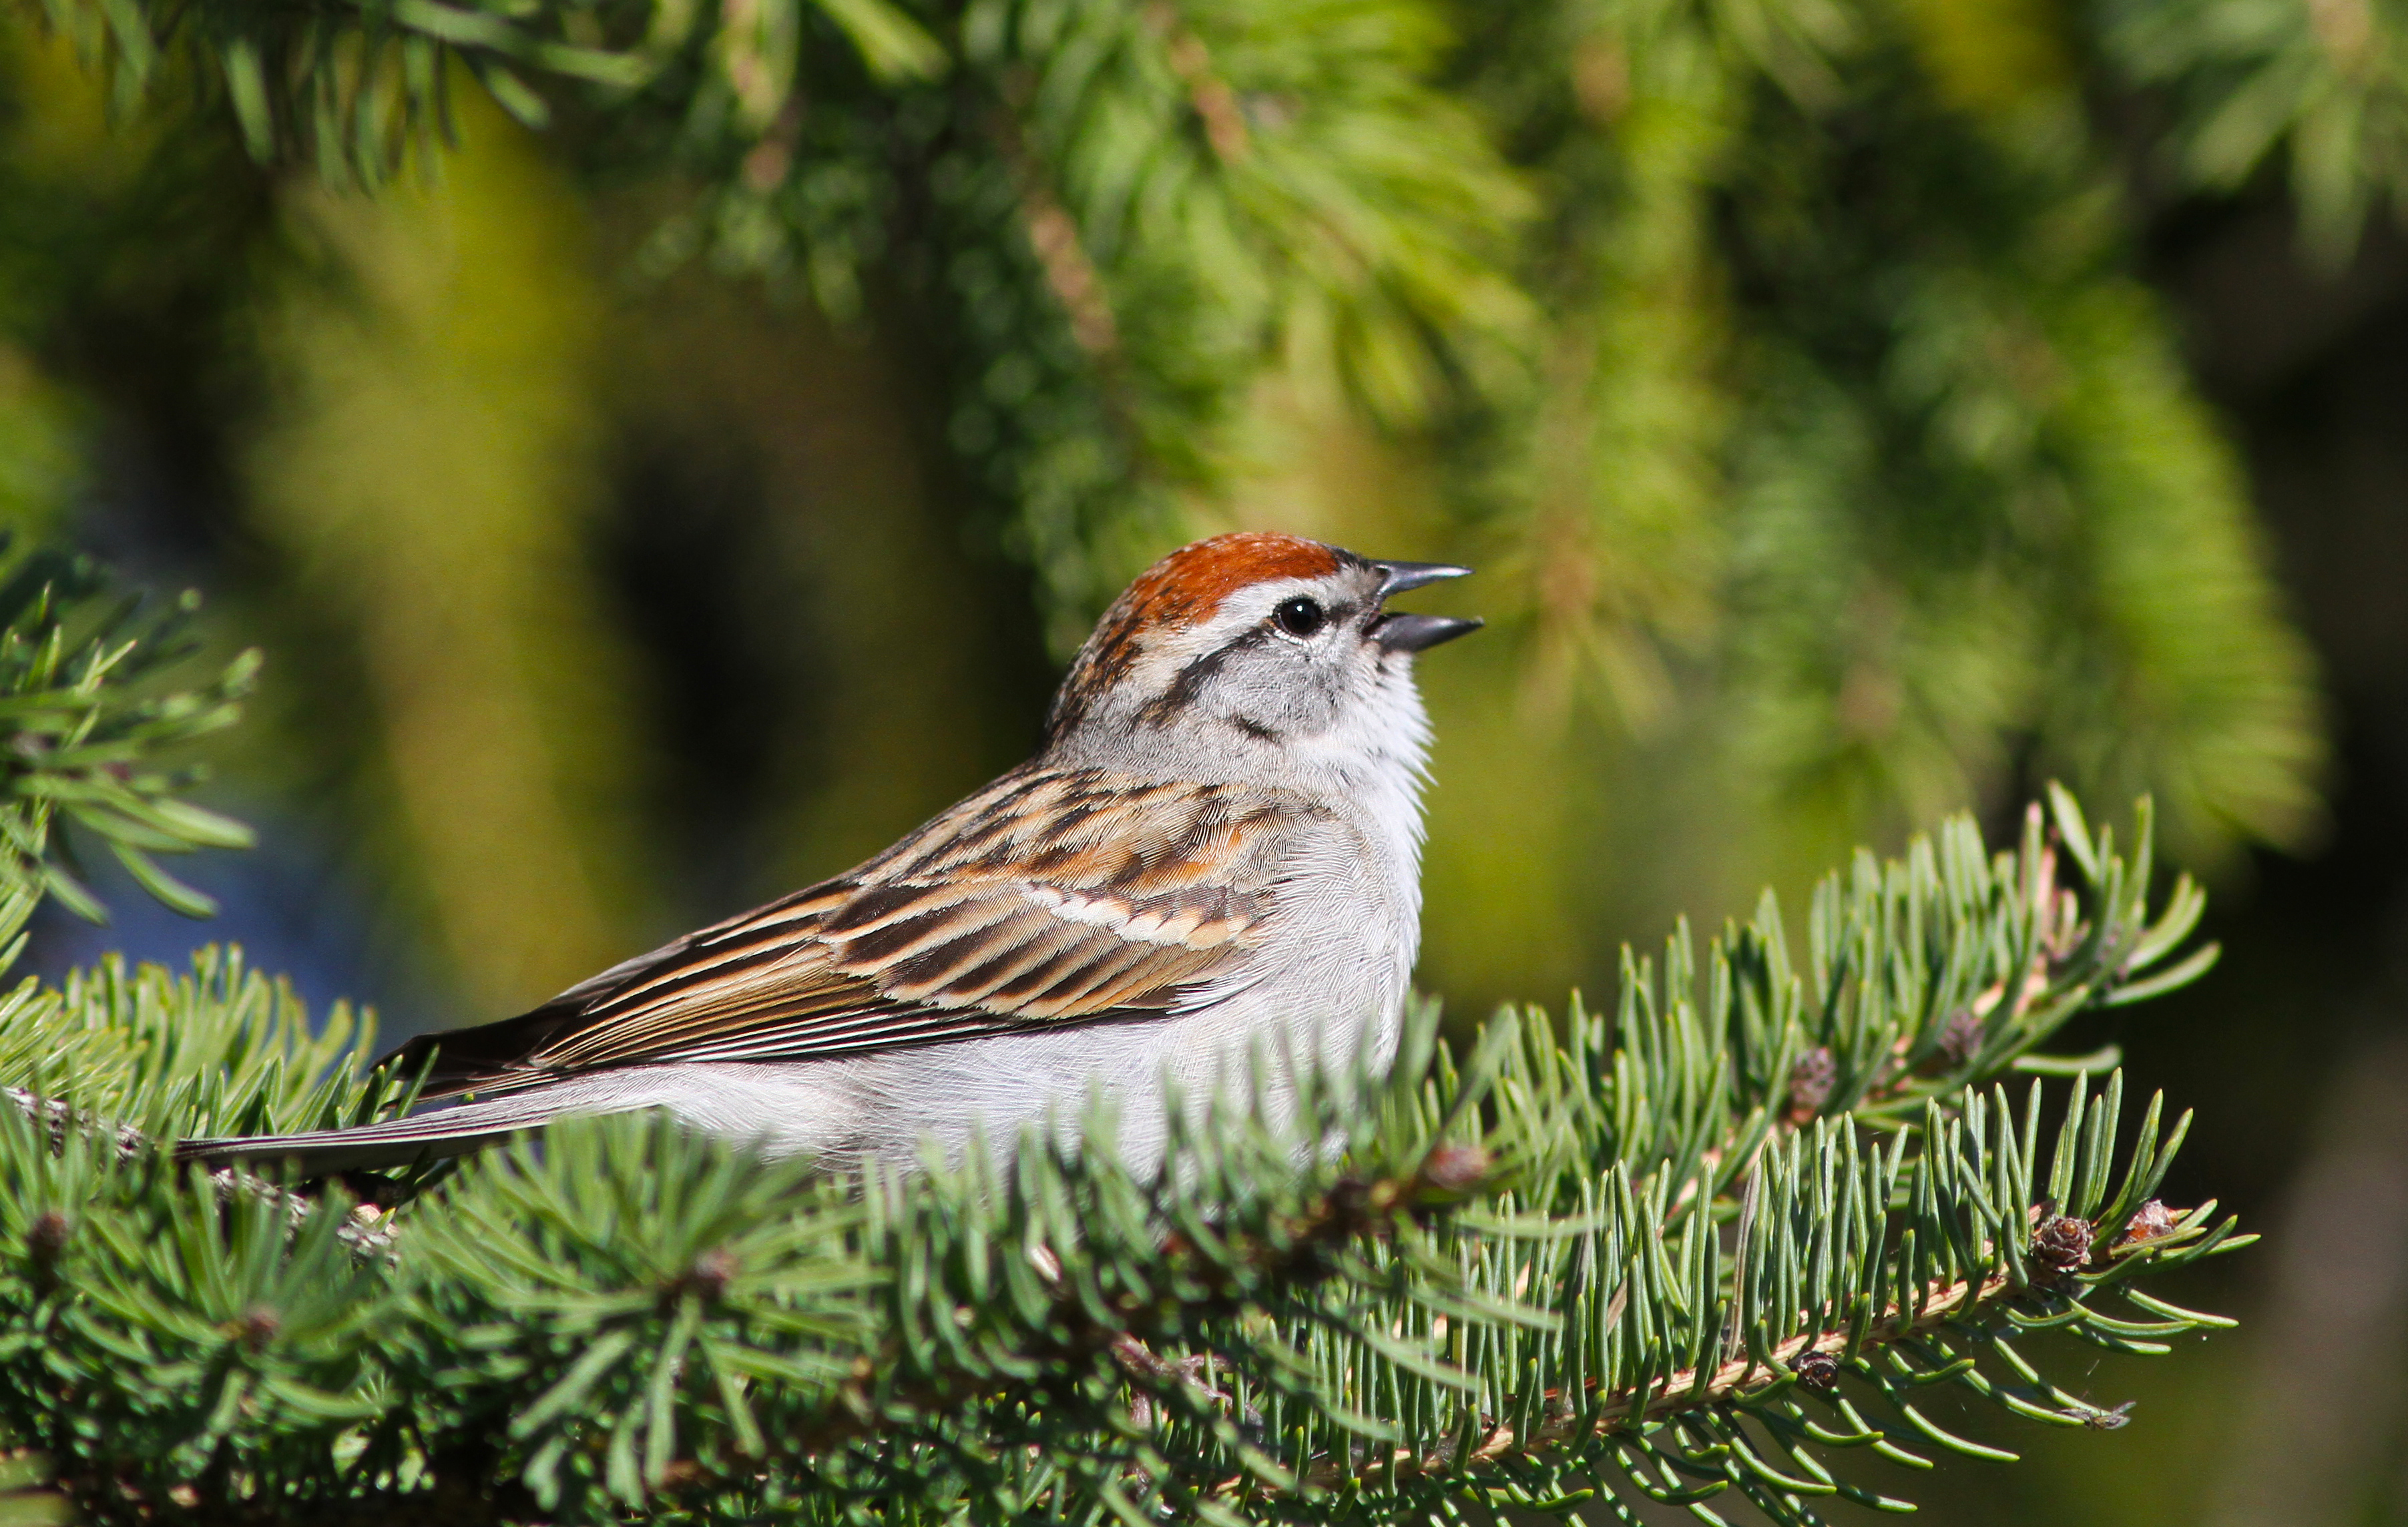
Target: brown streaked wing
<point x="1051" y="897"/>
<point x="505" y="1055"/>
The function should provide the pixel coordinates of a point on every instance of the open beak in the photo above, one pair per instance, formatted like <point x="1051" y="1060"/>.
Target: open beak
<point x="1398" y="632"/>
<point x="1397" y="576"/>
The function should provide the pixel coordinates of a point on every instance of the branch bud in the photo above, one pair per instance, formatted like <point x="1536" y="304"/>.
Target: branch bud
<point x="709" y="1277"/>
<point x="1811" y="1083"/>
<point x="46" y="1239"/>
<point x="1817" y="1370"/>
<point x="2062" y="1244"/>
<point x="2149" y="1221"/>
<point x="1960" y="1039"/>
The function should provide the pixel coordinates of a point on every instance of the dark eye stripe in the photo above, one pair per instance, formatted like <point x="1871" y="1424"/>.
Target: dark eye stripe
<point x="1198" y="672"/>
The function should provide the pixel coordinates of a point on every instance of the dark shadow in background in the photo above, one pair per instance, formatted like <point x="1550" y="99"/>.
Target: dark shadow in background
<point x="2294" y="1051"/>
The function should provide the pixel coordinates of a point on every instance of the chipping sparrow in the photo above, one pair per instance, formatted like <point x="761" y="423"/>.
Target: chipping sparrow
<point x="1215" y="852"/>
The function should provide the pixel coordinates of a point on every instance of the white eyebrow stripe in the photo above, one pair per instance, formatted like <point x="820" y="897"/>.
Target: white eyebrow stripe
<point x="1118" y="917"/>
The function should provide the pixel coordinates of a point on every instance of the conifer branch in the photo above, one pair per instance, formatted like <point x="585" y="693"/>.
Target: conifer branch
<point x="1215" y="104"/>
<point x="1686" y="1248"/>
<point x="1234" y="1337"/>
<point x="1053" y="236"/>
<point x="89" y="701"/>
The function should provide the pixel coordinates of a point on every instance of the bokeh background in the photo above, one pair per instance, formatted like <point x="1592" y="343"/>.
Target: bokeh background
<point x="684" y="461"/>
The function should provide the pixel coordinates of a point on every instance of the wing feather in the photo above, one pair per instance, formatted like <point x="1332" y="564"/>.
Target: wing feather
<point x="971" y="983"/>
<point x="1053" y="896"/>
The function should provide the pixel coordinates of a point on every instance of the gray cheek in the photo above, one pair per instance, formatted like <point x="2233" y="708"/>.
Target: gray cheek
<point x="1311" y="702"/>
<point x="1263" y="704"/>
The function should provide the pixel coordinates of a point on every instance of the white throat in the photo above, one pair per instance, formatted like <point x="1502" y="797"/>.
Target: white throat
<point x="1378" y="761"/>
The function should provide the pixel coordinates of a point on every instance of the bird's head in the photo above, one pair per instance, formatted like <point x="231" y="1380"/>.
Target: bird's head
<point x="1251" y="643"/>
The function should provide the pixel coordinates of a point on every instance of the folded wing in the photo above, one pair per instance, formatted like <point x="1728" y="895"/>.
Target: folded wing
<point x="1052" y="897"/>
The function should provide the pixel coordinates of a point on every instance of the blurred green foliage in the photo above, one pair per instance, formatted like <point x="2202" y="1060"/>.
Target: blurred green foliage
<point x="1784" y="366"/>
<point x="664" y="446"/>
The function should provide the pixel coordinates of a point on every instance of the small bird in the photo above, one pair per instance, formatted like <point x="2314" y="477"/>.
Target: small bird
<point x="1215" y="853"/>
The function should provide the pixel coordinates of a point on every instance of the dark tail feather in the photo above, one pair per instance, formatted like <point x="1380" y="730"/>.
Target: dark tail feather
<point x="491" y="1055"/>
<point x="397" y="1142"/>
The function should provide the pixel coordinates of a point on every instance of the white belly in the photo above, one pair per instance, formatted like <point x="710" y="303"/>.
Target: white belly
<point x="893" y="1107"/>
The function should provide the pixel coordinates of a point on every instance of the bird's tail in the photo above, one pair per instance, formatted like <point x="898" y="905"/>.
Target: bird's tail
<point x="397" y="1142"/>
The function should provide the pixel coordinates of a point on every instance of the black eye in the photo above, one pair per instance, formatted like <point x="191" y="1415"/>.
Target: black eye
<point x="1299" y="616"/>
